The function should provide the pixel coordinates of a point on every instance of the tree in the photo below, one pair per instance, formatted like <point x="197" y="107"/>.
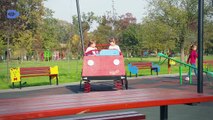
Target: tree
<point x="104" y="30"/>
<point x="180" y="15"/>
<point x="156" y="36"/>
<point x="26" y="26"/>
<point x="87" y="21"/>
<point x="126" y="20"/>
<point x="208" y="37"/>
<point x="130" y="40"/>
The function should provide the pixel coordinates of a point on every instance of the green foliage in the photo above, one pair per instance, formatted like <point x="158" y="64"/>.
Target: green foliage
<point x="22" y="31"/>
<point x="155" y="35"/>
<point x="104" y="30"/>
<point x="130" y="40"/>
<point x="181" y="16"/>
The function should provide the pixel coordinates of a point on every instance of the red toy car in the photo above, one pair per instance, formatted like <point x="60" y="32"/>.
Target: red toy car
<point x="107" y="65"/>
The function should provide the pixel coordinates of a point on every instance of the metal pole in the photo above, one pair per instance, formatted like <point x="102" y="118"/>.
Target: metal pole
<point x="9" y="36"/>
<point x="8" y="44"/>
<point x="164" y="112"/>
<point x="200" y="46"/>
<point x="212" y="3"/>
<point x="80" y="25"/>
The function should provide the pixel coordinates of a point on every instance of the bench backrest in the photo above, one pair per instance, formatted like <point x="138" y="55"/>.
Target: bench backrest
<point x="142" y="65"/>
<point x="208" y="62"/>
<point x="35" y="70"/>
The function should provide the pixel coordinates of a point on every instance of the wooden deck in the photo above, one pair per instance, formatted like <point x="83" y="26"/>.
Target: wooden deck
<point x="71" y="104"/>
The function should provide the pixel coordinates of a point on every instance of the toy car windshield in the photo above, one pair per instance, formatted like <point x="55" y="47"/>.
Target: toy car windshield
<point x="107" y="52"/>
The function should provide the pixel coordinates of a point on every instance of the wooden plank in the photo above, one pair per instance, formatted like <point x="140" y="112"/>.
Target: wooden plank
<point x="36" y="75"/>
<point x="209" y="62"/>
<point x="34" y="72"/>
<point x="34" y="68"/>
<point x="142" y="65"/>
<point x="145" y="64"/>
<point x="58" y="105"/>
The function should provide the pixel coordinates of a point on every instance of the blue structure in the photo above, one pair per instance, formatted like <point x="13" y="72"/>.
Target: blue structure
<point x="12" y="14"/>
<point x="134" y="69"/>
<point x="109" y="52"/>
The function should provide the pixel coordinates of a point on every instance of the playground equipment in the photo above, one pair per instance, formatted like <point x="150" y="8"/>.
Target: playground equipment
<point x="208" y="73"/>
<point x="134" y="67"/>
<point x="17" y="74"/>
<point x="107" y="65"/>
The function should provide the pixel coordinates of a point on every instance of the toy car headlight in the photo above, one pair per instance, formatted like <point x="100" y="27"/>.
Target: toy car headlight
<point x="90" y="62"/>
<point x="116" y="62"/>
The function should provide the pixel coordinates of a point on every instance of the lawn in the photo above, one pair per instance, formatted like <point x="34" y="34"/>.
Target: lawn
<point x="70" y="71"/>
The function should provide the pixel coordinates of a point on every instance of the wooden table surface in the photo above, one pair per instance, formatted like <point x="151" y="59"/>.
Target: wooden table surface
<point x="71" y="104"/>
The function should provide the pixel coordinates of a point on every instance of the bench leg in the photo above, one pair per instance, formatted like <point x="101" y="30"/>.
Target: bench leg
<point x="50" y="80"/>
<point x="157" y="71"/>
<point x="13" y="85"/>
<point x="164" y="112"/>
<point x="57" y="80"/>
<point x="151" y="71"/>
<point x="20" y="84"/>
<point x="130" y="74"/>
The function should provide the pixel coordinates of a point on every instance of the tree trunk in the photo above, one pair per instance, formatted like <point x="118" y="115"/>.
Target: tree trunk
<point x="127" y="53"/>
<point x="182" y="43"/>
<point x="182" y="55"/>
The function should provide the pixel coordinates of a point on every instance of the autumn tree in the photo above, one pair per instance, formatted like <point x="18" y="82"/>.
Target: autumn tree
<point x="181" y="16"/>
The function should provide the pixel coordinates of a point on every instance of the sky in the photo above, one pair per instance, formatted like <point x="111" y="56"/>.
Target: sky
<point x="65" y="9"/>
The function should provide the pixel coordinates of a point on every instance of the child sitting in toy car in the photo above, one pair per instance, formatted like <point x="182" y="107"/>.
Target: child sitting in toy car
<point x="91" y="49"/>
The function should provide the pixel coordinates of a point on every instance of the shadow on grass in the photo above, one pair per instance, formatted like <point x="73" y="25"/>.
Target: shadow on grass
<point x="26" y="84"/>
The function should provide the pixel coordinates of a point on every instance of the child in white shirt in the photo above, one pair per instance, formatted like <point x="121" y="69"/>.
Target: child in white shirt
<point x="113" y="45"/>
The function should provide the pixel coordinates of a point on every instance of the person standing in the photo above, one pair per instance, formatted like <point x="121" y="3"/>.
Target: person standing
<point x="192" y="59"/>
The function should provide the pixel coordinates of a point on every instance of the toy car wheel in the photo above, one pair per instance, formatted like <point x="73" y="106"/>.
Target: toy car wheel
<point x="87" y="87"/>
<point x="118" y="84"/>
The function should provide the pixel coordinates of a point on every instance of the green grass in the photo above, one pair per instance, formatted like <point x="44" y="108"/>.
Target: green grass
<point x="70" y="71"/>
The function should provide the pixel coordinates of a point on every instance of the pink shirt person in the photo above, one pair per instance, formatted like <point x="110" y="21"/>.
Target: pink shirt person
<point x="192" y="57"/>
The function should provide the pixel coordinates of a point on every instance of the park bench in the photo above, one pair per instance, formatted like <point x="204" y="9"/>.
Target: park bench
<point x="142" y="65"/>
<point x="52" y="72"/>
<point x="208" y="64"/>
<point x="72" y="104"/>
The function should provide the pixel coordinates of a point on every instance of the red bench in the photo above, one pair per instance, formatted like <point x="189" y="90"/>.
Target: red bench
<point x="71" y="104"/>
<point x="143" y="65"/>
<point x="35" y="72"/>
<point x="208" y="63"/>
